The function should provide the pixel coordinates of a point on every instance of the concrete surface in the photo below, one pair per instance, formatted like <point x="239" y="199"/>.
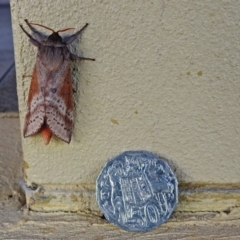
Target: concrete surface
<point x="16" y="222"/>
<point x="10" y="154"/>
<point x="165" y="79"/>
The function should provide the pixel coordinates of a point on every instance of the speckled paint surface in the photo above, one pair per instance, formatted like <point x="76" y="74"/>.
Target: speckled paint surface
<point x="166" y="80"/>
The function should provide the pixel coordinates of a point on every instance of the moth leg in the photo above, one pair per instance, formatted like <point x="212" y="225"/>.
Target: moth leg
<point x="25" y="76"/>
<point x="74" y="57"/>
<point x="32" y="40"/>
<point x="71" y="38"/>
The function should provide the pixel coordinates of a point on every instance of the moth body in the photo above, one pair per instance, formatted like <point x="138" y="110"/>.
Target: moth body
<point x="50" y="100"/>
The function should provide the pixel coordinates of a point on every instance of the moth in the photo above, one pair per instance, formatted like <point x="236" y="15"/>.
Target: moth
<point x="50" y="99"/>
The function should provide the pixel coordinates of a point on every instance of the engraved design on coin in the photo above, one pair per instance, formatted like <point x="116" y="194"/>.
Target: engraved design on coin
<point x="137" y="191"/>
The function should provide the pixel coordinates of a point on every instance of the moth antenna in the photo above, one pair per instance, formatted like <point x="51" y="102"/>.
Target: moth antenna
<point x="40" y="25"/>
<point x="65" y="29"/>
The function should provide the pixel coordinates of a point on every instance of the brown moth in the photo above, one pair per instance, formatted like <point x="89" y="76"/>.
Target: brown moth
<point x="50" y="100"/>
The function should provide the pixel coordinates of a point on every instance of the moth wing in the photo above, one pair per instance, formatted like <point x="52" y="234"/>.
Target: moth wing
<point x="59" y="103"/>
<point x="35" y="107"/>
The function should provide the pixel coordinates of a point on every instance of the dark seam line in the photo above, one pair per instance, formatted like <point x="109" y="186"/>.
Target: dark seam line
<point x="6" y="73"/>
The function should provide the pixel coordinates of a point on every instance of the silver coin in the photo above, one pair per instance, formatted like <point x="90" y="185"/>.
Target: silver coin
<point x="137" y="191"/>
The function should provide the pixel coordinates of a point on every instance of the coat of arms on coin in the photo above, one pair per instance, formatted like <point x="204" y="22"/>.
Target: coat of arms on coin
<point x="137" y="191"/>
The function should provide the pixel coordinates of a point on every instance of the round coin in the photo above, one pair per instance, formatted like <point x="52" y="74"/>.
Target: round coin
<point x="137" y="191"/>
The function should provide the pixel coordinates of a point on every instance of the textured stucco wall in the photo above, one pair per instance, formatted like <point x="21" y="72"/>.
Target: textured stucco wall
<point x="166" y="79"/>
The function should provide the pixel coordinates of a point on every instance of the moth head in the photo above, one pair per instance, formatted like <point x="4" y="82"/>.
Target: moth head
<point x="55" y="37"/>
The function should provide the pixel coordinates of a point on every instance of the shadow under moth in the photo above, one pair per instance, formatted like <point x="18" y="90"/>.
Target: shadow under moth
<point x="50" y="99"/>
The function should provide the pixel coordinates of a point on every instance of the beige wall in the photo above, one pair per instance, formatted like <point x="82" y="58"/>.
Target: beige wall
<point x="166" y="79"/>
